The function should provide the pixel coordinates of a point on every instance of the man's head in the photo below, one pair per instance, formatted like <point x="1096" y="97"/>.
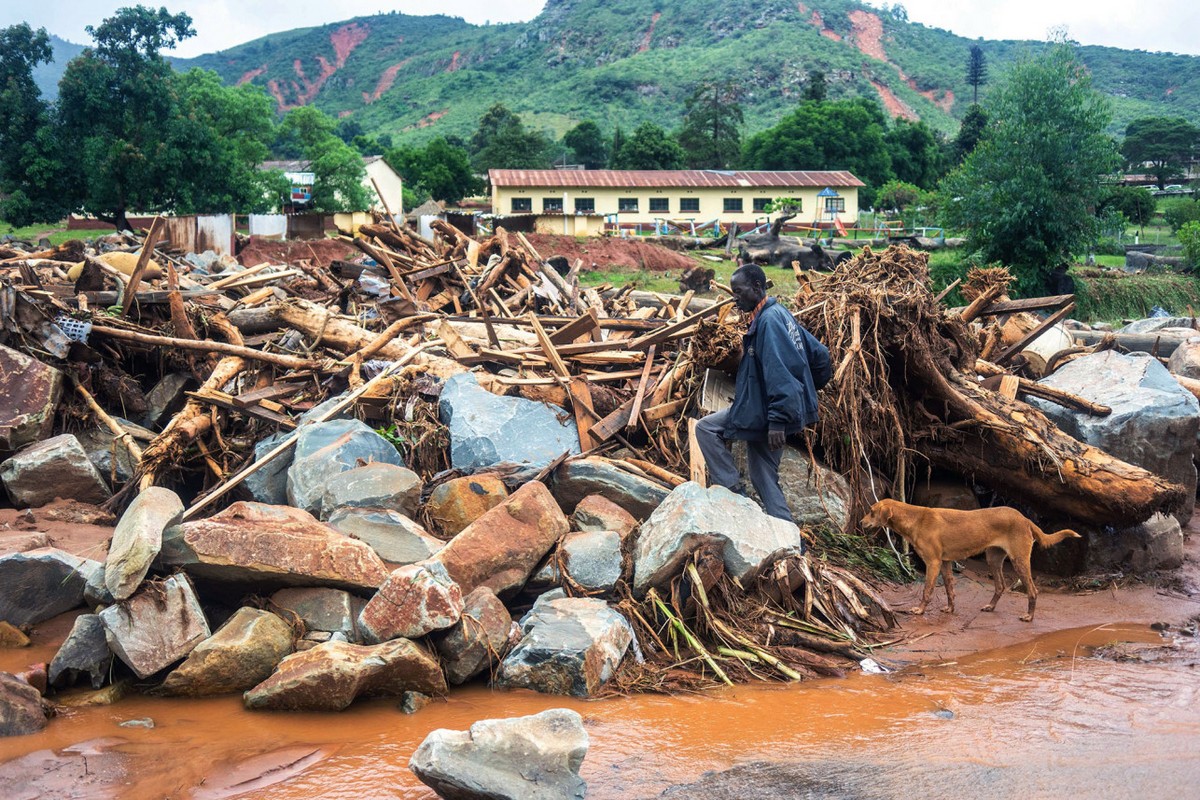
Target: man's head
<point x="749" y="287"/>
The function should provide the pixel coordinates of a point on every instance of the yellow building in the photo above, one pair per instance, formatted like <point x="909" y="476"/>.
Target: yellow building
<point x="577" y="201"/>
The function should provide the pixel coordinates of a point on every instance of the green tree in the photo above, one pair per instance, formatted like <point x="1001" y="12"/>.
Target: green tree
<point x="974" y="123"/>
<point x="614" y="147"/>
<point x="977" y="74"/>
<point x="587" y="144"/>
<point x="815" y="88"/>
<point x="502" y="142"/>
<point x="116" y="105"/>
<point x="712" y="116"/>
<point x="1179" y="211"/>
<point x="1189" y="237"/>
<point x="30" y="163"/>
<point x="843" y="134"/>
<point x="898" y="195"/>
<point x="649" y="147"/>
<point x="916" y="153"/>
<point x="1135" y="204"/>
<point x="337" y="167"/>
<point x="1164" y="143"/>
<point x="439" y="170"/>
<point x="1026" y="195"/>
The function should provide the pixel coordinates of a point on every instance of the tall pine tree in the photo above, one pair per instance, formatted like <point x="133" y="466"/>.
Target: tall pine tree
<point x="976" y="70"/>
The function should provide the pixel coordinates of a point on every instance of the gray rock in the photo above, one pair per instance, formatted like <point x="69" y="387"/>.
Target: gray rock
<point x="1185" y="360"/>
<point x="486" y="429"/>
<point x="694" y="516"/>
<point x="523" y="758"/>
<point x="325" y="449"/>
<point x="596" y="513"/>
<point x="569" y="645"/>
<point x="415" y="600"/>
<point x="39" y="584"/>
<point x="241" y="654"/>
<point x="592" y="559"/>
<point x="29" y="395"/>
<point x="166" y="398"/>
<point x="376" y="485"/>
<point x="95" y="591"/>
<point x="816" y="496"/>
<point x="21" y="711"/>
<point x="156" y="627"/>
<point x="331" y="610"/>
<point x="138" y="538"/>
<point x="111" y="458"/>
<point x="393" y="536"/>
<point x="1153" y="324"/>
<point x="269" y="483"/>
<point x="84" y="653"/>
<point x="412" y="702"/>
<point x="1154" y="421"/>
<point x="1104" y="327"/>
<point x="577" y="479"/>
<point x="472" y="644"/>
<point x="1156" y="544"/>
<point x="56" y="467"/>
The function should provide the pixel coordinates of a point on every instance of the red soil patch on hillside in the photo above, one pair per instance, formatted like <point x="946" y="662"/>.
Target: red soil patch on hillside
<point x="829" y="34"/>
<point x="344" y="40"/>
<point x="649" y="33"/>
<point x="609" y="251"/>
<point x="945" y="103"/>
<point x="894" y="105"/>
<point x="454" y="65"/>
<point x="803" y="9"/>
<point x="385" y="82"/>
<point x="868" y="33"/>
<point x="251" y="75"/>
<point x="429" y="120"/>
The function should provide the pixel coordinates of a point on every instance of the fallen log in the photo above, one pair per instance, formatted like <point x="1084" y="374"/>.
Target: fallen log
<point x="1159" y="344"/>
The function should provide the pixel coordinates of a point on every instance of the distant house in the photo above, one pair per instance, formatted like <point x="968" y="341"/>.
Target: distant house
<point x="299" y="174"/>
<point x="574" y="201"/>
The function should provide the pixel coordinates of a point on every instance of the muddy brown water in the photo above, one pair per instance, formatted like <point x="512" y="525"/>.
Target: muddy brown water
<point x="1039" y="719"/>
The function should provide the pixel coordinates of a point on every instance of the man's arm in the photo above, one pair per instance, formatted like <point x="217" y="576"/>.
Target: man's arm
<point x="783" y="393"/>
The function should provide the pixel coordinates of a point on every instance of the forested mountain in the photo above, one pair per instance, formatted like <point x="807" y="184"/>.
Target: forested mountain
<point x="620" y="62"/>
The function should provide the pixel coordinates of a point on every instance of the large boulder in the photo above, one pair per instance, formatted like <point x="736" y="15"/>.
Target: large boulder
<point x="84" y="653"/>
<point x="692" y="517"/>
<point x="137" y="539"/>
<point x="487" y="429"/>
<point x="374" y="485"/>
<point x="415" y="600"/>
<point x="326" y="449"/>
<point x="166" y="398"/>
<point x="1156" y="544"/>
<point x="21" y="711"/>
<point x="240" y="655"/>
<point x="328" y="610"/>
<point x="331" y="675"/>
<point x="580" y="477"/>
<point x="1154" y="421"/>
<point x="472" y="644"/>
<point x="393" y="536"/>
<point x="156" y="627"/>
<point x="569" y="645"/>
<point x="271" y="547"/>
<point x="500" y="549"/>
<point x="1153" y="324"/>
<point x="1185" y="360"/>
<point x="39" y="584"/>
<point x="457" y="503"/>
<point x="111" y="458"/>
<point x="816" y="495"/>
<point x="55" y="467"/>
<point x="29" y="395"/>
<point x="268" y="483"/>
<point x="592" y="559"/>
<point x="596" y="513"/>
<point x="523" y="758"/>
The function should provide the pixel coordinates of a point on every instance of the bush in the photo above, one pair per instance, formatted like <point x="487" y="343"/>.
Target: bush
<point x="1189" y="237"/>
<point x="1178" y="212"/>
<point x="1107" y="246"/>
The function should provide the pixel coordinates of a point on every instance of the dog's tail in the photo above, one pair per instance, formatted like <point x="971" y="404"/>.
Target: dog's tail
<point x="1049" y="540"/>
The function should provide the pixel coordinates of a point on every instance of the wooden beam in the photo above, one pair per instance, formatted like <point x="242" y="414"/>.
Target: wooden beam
<point x="675" y="328"/>
<point x="608" y="427"/>
<point x="139" y="269"/>
<point x="581" y="406"/>
<point x="222" y="400"/>
<point x="556" y="362"/>
<point x="580" y="326"/>
<point x="636" y="410"/>
<point x="1028" y="304"/>
<point x="697" y="469"/>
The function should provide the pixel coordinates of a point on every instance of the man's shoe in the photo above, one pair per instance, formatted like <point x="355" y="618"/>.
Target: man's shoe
<point x="740" y="488"/>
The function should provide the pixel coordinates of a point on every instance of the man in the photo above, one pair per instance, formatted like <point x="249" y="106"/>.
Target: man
<point x="783" y="366"/>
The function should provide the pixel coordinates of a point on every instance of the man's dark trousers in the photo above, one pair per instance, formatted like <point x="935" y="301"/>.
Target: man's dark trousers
<point x="764" y="464"/>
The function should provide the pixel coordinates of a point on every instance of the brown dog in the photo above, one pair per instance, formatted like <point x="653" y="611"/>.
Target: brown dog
<point x="944" y="535"/>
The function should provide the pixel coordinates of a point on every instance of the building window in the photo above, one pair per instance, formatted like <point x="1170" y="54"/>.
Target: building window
<point x="660" y="204"/>
<point x="522" y="205"/>
<point x="627" y="204"/>
<point x="585" y="205"/>
<point x="689" y="204"/>
<point x="552" y="205"/>
<point x="760" y="204"/>
<point x="835" y="204"/>
<point x="733" y="205"/>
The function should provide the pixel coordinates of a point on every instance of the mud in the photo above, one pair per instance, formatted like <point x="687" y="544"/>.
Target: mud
<point x="611" y="251"/>
<point x="1034" y="713"/>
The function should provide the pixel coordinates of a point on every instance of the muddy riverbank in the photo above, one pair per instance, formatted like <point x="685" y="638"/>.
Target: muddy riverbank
<point x="987" y="706"/>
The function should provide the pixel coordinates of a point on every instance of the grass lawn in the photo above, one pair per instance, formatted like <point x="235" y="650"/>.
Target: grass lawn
<point x="57" y="232"/>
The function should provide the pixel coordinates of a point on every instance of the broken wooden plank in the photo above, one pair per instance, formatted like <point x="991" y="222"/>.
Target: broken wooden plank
<point x="676" y="328"/>
<point x="580" y="326"/>
<point x="697" y="470"/>
<point x="222" y="400"/>
<point x="608" y="427"/>
<point x="1024" y="341"/>
<point x="581" y="406"/>
<point x="1028" y="304"/>
<point x="640" y="395"/>
<point x="548" y="348"/>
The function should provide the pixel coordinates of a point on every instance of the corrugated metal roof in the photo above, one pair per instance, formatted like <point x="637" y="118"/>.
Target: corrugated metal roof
<point x="691" y="178"/>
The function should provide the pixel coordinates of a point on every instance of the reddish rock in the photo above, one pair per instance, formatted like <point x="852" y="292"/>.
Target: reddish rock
<point x="331" y="675"/>
<point x="456" y="504"/>
<point x="241" y="654"/>
<point x="598" y="513"/>
<point x="475" y="642"/>
<point x="29" y="394"/>
<point x="35" y="676"/>
<point x="21" y="710"/>
<point x="415" y="600"/>
<point x="271" y="546"/>
<point x="500" y="549"/>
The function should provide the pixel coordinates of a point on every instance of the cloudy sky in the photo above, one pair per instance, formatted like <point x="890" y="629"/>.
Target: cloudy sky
<point x="1166" y="25"/>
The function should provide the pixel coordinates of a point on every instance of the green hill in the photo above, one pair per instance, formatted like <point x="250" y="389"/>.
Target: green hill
<point x="621" y="62"/>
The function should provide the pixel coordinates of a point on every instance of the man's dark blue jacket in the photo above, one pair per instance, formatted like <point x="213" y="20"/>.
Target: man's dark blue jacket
<point x="783" y="366"/>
